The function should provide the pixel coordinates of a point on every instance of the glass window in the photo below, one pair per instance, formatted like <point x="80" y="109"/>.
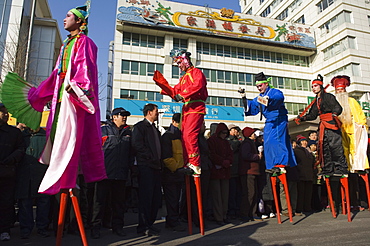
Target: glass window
<point x="151" y="41"/>
<point x="159" y="67"/>
<point x="233" y="52"/>
<point x="285" y="59"/>
<point x="220" y="51"/>
<point x="228" y="102"/>
<point x="249" y="79"/>
<point x="124" y="93"/>
<point x="135" y="39"/>
<point x="150" y="95"/>
<point x="254" y="55"/>
<point x="293" y="84"/>
<point x="213" y="76"/>
<point x="143" y="68"/>
<point x="280" y="82"/>
<point x="134" y="95"/>
<point x="206" y="73"/>
<point x="240" y="53"/>
<point x="126" y="38"/>
<point x="227" y="51"/>
<point x="206" y="48"/>
<point x="125" y="67"/>
<point x="214" y="100"/>
<point x="220" y="76"/>
<point x="241" y="78"/>
<point x="151" y="68"/>
<point x="143" y="40"/>
<point x="306" y="85"/>
<point x="266" y="55"/>
<point x="221" y="101"/>
<point x="175" y="72"/>
<point x="160" y="42"/>
<point x="212" y="49"/>
<point x="227" y="77"/>
<point x="142" y="95"/>
<point x="134" y="67"/>
<point x="236" y="102"/>
<point x="234" y="78"/>
<point x="273" y="58"/>
<point x="247" y="53"/>
<point x="287" y="83"/>
<point x="158" y="96"/>
<point x="279" y="58"/>
<point x="259" y="55"/>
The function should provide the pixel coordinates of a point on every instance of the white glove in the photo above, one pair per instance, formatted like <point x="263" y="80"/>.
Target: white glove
<point x="196" y="169"/>
<point x="260" y="149"/>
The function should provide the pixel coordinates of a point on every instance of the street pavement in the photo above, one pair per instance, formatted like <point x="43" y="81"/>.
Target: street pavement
<point x="314" y="229"/>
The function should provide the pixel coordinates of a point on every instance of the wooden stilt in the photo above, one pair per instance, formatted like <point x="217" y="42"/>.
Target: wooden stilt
<point x="200" y="203"/>
<point x="188" y="203"/>
<point x="62" y="213"/>
<point x="330" y="197"/>
<point x="344" y="183"/>
<point x="284" y="181"/>
<point x="276" y="199"/>
<point x="76" y="208"/>
<point x="365" y="177"/>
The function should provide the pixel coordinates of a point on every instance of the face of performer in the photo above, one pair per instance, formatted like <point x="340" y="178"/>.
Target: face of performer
<point x="340" y="90"/>
<point x="4" y="116"/>
<point x="183" y="64"/>
<point x="71" y="24"/>
<point x="316" y="88"/>
<point x="262" y="87"/>
<point x="119" y="120"/>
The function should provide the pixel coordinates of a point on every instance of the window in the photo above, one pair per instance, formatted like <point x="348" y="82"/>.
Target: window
<point x="338" y="47"/>
<point x="142" y="40"/>
<point x="283" y="14"/>
<point x="324" y="4"/>
<point x="249" y="12"/>
<point x="140" y="95"/>
<point x="266" y="12"/>
<point x="301" y="20"/>
<point x="352" y="69"/>
<point x="180" y="44"/>
<point x="336" y="21"/>
<point x="140" y="68"/>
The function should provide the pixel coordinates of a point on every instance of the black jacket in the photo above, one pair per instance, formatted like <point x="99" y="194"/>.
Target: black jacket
<point x="305" y="162"/>
<point x="11" y="145"/>
<point x="118" y="154"/>
<point x="30" y="171"/>
<point x="143" y="142"/>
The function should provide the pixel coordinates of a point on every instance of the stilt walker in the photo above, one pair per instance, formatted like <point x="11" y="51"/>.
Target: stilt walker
<point x="277" y="147"/>
<point x="192" y="91"/>
<point x="333" y="163"/>
<point x="74" y="118"/>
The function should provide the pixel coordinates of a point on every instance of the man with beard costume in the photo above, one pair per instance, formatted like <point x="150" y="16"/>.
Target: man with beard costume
<point x="354" y="128"/>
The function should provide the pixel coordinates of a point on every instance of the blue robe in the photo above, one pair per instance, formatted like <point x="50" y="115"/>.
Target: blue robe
<point x="277" y="147"/>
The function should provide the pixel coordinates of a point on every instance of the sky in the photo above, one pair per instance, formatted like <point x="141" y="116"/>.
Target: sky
<point x="102" y="25"/>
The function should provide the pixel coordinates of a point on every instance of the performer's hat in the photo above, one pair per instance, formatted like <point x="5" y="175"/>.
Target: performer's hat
<point x="83" y="13"/>
<point x="247" y="131"/>
<point x="176" y="55"/>
<point x="301" y="138"/>
<point x="342" y="81"/>
<point x="319" y="80"/>
<point x="260" y="78"/>
<point x="231" y="126"/>
<point x="120" y="111"/>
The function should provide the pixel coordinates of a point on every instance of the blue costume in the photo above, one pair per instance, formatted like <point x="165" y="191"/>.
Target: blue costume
<point x="277" y="147"/>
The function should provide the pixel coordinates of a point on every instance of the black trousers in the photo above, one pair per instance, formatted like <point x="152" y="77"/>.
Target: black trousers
<point x="7" y="188"/>
<point x="304" y="196"/>
<point x="172" y="195"/>
<point x="115" y="190"/>
<point x="334" y="159"/>
<point x="150" y="196"/>
<point x="248" y="205"/>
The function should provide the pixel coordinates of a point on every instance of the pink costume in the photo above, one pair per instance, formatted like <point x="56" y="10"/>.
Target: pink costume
<point x="78" y="136"/>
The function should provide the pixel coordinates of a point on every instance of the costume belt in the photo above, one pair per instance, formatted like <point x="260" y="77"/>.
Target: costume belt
<point x="324" y="118"/>
<point x="193" y="101"/>
<point x="62" y="75"/>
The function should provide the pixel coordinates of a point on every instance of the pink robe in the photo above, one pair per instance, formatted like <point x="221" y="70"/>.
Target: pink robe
<point x="78" y="135"/>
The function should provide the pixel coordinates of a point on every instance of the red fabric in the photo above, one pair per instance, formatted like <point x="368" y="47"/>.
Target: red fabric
<point x="340" y="81"/>
<point x="316" y="81"/>
<point x="163" y="84"/>
<point x="324" y="118"/>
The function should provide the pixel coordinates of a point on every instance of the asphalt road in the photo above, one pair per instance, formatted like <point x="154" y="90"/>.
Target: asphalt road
<point x="315" y="229"/>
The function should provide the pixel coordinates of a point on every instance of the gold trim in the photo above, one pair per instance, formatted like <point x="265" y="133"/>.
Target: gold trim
<point x="216" y="16"/>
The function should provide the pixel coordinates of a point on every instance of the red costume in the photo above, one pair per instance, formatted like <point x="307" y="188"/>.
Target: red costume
<point x="192" y="88"/>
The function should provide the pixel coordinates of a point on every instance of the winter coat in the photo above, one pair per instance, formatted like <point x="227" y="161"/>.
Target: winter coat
<point x="221" y="154"/>
<point x="235" y="146"/>
<point x="249" y="161"/>
<point x="305" y="162"/>
<point x="30" y="171"/>
<point x="118" y="153"/>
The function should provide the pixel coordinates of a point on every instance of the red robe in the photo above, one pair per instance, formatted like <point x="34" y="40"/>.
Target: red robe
<point x="193" y="88"/>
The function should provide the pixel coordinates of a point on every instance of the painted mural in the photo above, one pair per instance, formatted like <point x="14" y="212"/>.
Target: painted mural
<point x="224" y="22"/>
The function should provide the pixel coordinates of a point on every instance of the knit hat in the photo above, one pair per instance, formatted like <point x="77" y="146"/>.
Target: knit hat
<point x="301" y="138"/>
<point x="340" y="81"/>
<point x="247" y="131"/>
<point x="319" y="80"/>
<point x="311" y="142"/>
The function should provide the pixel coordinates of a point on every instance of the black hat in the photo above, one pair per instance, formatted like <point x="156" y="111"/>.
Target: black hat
<point x="121" y="111"/>
<point x="260" y="77"/>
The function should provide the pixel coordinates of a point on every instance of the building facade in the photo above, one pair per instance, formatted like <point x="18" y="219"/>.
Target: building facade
<point x="230" y="48"/>
<point x="29" y="39"/>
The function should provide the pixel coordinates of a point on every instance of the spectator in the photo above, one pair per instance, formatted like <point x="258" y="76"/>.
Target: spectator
<point x="234" y="182"/>
<point x="249" y="169"/>
<point x="12" y="151"/>
<point x="29" y="176"/>
<point x="118" y="157"/>
<point x="172" y="179"/>
<point x="305" y="161"/>
<point x="312" y="136"/>
<point x="221" y="156"/>
<point x="146" y="142"/>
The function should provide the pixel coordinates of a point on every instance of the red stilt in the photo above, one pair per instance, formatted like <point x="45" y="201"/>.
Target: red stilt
<point x="188" y="203"/>
<point x="276" y="200"/>
<point x="79" y="217"/>
<point x="344" y="182"/>
<point x="365" y="177"/>
<point x="283" y="180"/>
<point x="200" y="203"/>
<point x="330" y="197"/>
<point x="62" y="213"/>
<point x="343" y="195"/>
